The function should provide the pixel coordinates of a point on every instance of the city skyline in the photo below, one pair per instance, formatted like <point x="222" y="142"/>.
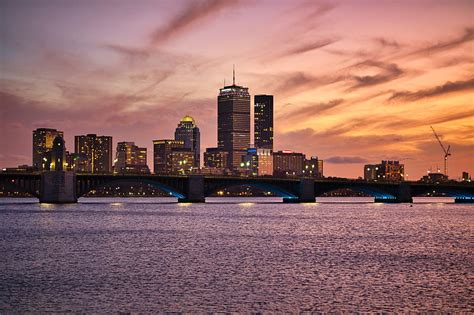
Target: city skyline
<point x="350" y="91"/>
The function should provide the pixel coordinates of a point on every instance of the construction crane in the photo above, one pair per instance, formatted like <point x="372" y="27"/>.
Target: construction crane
<point x="446" y="152"/>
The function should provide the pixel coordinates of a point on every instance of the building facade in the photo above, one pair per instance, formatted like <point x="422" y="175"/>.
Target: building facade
<point x="42" y="144"/>
<point x="263" y="121"/>
<point x="313" y="167"/>
<point x="258" y="162"/>
<point x="215" y="161"/>
<point x="391" y="171"/>
<point x="288" y="163"/>
<point x="370" y="172"/>
<point x="188" y="132"/>
<point x="130" y="159"/>
<point x="77" y="162"/>
<point x="98" y="150"/>
<point x="233" y="123"/>
<point x="162" y="150"/>
<point x="181" y="161"/>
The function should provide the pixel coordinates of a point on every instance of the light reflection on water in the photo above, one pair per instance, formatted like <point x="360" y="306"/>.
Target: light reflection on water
<point x="123" y="256"/>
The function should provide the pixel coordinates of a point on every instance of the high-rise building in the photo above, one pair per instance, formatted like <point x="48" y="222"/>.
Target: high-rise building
<point x="130" y="158"/>
<point x="98" y="150"/>
<point x="288" y="163"/>
<point x="162" y="150"/>
<point x="188" y="132"/>
<point x="258" y="162"/>
<point x="385" y="171"/>
<point x="263" y="121"/>
<point x="43" y="143"/>
<point x="233" y="122"/>
<point x="313" y="167"/>
<point x="77" y="162"/>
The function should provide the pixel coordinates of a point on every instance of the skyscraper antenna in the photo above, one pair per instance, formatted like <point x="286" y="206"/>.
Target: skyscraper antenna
<point x="224" y="82"/>
<point x="233" y="74"/>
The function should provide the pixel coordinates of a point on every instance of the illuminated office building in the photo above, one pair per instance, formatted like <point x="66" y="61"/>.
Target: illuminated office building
<point x="258" y="162"/>
<point x="98" y="150"/>
<point x="385" y="171"/>
<point x="215" y="161"/>
<point x="263" y="121"/>
<point x="313" y="167"/>
<point x="77" y="162"/>
<point x="130" y="159"/>
<point x="188" y="132"/>
<point x="43" y="143"/>
<point x="181" y="161"/>
<point x="288" y="163"/>
<point x="162" y="150"/>
<point x="233" y="122"/>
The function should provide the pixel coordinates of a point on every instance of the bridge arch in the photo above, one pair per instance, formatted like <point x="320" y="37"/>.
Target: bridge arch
<point x="18" y="186"/>
<point x="171" y="191"/>
<point x="457" y="194"/>
<point x="278" y="191"/>
<point x="378" y="194"/>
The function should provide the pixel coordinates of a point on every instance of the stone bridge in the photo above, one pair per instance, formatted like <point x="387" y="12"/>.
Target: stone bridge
<point x="63" y="187"/>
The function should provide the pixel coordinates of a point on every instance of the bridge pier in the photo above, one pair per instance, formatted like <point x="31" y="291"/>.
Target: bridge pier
<point x="305" y="192"/>
<point x="58" y="187"/>
<point x="194" y="190"/>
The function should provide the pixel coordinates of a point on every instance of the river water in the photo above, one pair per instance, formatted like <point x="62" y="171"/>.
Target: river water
<point x="123" y="255"/>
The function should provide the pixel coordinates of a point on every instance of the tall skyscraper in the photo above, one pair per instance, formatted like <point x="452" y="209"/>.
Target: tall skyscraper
<point x="98" y="150"/>
<point x="233" y="122"/>
<point x="130" y="158"/>
<point x="188" y="132"/>
<point x="42" y="144"/>
<point x="263" y="120"/>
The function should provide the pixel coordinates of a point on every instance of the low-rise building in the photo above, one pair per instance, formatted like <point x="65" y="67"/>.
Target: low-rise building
<point x="181" y="161"/>
<point x="257" y="162"/>
<point x="313" y="167"/>
<point x="288" y="163"/>
<point x="391" y="171"/>
<point x="432" y="178"/>
<point x="217" y="159"/>
<point x="77" y="162"/>
<point x="130" y="159"/>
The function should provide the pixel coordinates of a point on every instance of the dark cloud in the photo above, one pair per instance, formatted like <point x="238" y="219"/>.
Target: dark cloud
<point x="131" y="52"/>
<point x="466" y="36"/>
<point x="295" y="82"/>
<point x="345" y="160"/>
<point x="194" y="12"/>
<point x="389" y="72"/>
<point x="448" y="87"/>
<point x="314" y="109"/>
<point x="384" y="42"/>
<point x="309" y="47"/>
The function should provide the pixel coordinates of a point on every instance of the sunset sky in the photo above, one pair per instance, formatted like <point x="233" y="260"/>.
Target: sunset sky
<point x="354" y="82"/>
